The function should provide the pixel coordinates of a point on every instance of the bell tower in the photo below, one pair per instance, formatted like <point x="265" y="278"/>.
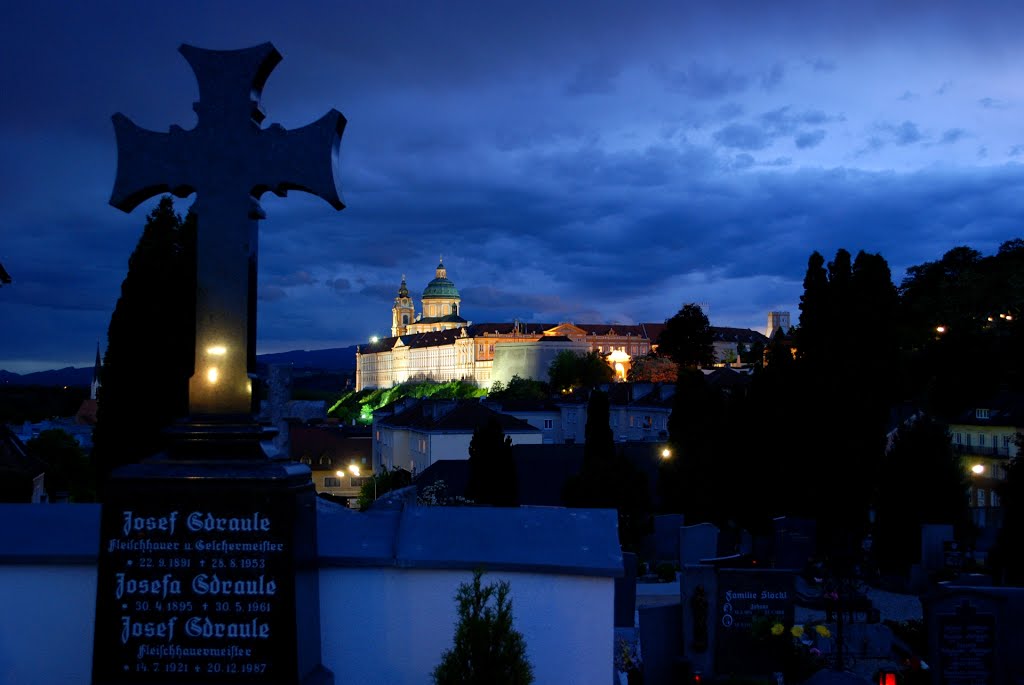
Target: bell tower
<point x="403" y="313"/>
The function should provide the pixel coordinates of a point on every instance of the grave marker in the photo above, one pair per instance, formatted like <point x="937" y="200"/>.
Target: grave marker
<point x="208" y="563"/>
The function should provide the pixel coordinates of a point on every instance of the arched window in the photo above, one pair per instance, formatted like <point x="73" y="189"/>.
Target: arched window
<point x="325" y="461"/>
<point x="405" y="319"/>
<point x="455" y="309"/>
<point x="444" y="310"/>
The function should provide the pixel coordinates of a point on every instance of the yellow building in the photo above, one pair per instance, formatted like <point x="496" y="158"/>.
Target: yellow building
<point x="985" y="437"/>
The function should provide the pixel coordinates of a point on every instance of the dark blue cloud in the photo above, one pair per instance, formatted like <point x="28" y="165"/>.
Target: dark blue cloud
<point x="993" y="103"/>
<point x="952" y="135"/>
<point x="701" y="81"/>
<point x="743" y="137"/>
<point x="809" y="139"/>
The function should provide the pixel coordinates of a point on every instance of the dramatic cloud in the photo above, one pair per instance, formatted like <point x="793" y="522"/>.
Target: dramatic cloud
<point x="569" y="161"/>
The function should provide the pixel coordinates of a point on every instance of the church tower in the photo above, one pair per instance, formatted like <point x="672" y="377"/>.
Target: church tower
<point x="403" y="313"/>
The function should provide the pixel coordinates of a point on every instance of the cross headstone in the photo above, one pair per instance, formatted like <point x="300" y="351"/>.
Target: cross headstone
<point x="208" y="562"/>
<point x="229" y="162"/>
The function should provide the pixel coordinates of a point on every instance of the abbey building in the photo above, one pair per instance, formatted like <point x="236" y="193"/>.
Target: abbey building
<point x="438" y="344"/>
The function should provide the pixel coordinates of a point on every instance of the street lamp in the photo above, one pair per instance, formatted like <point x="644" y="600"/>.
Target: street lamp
<point x="978" y="469"/>
<point x="354" y="470"/>
<point x="666" y="453"/>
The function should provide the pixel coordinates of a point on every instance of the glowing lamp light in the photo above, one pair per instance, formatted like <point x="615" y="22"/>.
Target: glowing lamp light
<point x="978" y="469"/>
<point x="940" y="329"/>
<point x="1009" y="318"/>
<point x="374" y="339"/>
<point x="212" y="374"/>
<point x="666" y="453"/>
<point x="354" y="470"/>
<point x="217" y="350"/>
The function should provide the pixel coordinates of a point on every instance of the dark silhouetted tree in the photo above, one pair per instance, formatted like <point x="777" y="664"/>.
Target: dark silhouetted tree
<point x="492" y="468"/>
<point x="687" y="339"/>
<point x="68" y="473"/>
<point x="607" y="479"/>
<point x="150" y="344"/>
<point x="921" y="481"/>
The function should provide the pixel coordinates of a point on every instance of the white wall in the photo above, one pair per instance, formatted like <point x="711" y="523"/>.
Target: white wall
<point x="46" y="622"/>
<point x="378" y="625"/>
<point x="392" y="625"/>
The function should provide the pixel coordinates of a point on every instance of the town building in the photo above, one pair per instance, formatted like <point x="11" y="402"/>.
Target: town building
<point x="438" y="344"/>
<point x="413" y="434"/>
<point x="986" y="437"/>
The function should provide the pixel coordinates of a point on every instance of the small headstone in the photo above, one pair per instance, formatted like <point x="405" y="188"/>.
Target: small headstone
<point x="666" y="536"/>
<point x="697" y="543"/>
<point x="934" y="537"/>
<point x="625" y="592"/>
<point x="794" y="541"/>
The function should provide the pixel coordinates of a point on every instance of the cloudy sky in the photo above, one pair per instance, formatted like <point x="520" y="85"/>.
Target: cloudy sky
<point x="572" y="161"/>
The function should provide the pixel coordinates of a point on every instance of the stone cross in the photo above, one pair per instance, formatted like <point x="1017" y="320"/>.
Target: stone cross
<point x="229" y="162"/>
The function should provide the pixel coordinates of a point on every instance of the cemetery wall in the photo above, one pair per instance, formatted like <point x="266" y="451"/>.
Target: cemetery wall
<point x="387" y="588"/>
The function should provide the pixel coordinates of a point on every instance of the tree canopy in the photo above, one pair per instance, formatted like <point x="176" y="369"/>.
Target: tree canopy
<point x="569" y="370"/>
<point x="687" y="339"/>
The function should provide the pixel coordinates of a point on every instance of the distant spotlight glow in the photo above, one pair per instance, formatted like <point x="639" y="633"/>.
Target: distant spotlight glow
<point x="978" y="469"/>
<point x="940" y="329"/>
<point x="666" y="453"/>
<point x="374" y="338"/>
<point x="354" y="470"/>
<point x="212" y="374"/>
<point x="217" y="350"/>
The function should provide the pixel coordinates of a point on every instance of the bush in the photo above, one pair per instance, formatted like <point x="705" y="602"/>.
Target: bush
<point x="487" y="650"/>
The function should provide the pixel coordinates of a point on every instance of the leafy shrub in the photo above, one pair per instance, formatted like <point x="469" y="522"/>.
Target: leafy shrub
<point x="487" y="650"/>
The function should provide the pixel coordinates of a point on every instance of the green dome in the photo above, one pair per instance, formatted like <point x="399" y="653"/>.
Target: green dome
<point x="440" y="288"/>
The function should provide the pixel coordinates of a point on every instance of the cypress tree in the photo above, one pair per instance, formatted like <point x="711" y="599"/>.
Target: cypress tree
<point x="150" y="343"/>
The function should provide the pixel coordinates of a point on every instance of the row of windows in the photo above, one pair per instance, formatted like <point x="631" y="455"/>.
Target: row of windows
<point x="983" y="439"/>
<point x="332" y="482"/>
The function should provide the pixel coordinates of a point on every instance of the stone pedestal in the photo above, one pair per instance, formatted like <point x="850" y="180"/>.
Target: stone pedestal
<point x="208" y="567"/>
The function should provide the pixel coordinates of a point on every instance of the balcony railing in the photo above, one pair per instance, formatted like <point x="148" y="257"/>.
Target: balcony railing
<point x="982" y="451"/>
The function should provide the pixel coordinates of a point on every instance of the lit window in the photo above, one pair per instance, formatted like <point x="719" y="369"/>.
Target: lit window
<point x="981" y="497"/>
<point x="981" y="413"/>
<point x="330" y="482"/>
<point x="981" y="439"/>
<point x="957" y="438"/>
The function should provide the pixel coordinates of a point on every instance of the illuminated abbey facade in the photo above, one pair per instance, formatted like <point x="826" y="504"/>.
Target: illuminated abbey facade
<point x="438" y="344"/>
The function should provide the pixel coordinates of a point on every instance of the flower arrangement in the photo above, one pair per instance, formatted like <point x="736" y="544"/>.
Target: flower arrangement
<point x="628" y="660"/>
<point x="798" y="647"/>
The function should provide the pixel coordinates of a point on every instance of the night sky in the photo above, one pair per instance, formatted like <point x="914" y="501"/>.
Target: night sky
<point x="572" y="161"/>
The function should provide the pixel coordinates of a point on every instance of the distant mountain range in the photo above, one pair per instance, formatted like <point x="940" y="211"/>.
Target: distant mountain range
<point x="342" y="359"/>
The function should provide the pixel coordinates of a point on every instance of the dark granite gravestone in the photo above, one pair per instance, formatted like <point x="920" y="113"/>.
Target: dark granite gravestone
<point x="744" y="596"/>
<point x="968" y="636"/>
<point x="625" y="592"/>
<point x="794" y="541"/>
<point x="208" y="563"/>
